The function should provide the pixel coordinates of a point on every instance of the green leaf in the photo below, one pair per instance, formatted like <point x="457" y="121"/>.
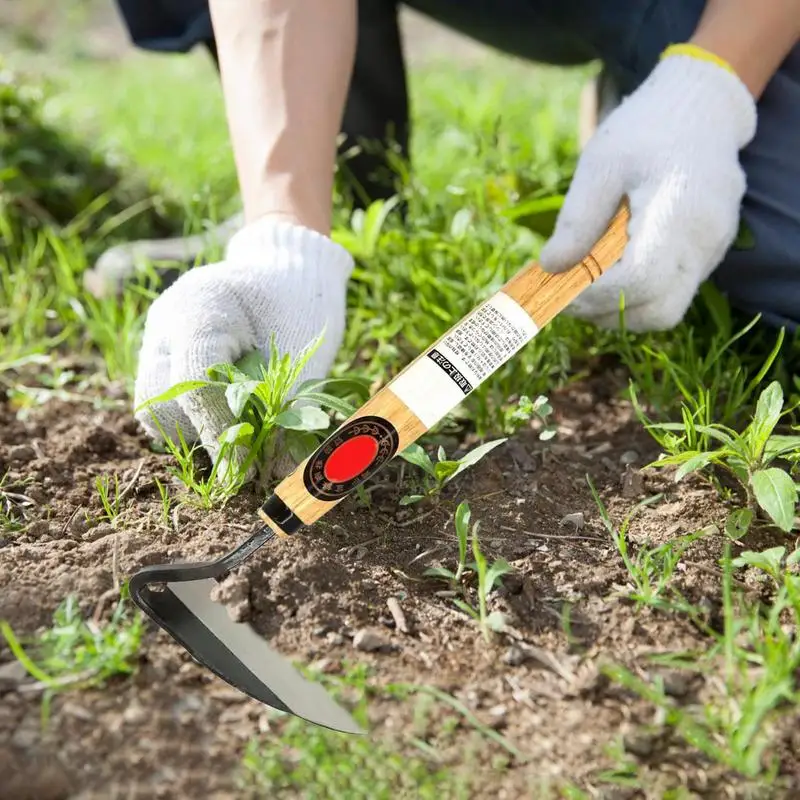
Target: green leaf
<point x="414" y="454"/>
<point x="461" y="521"/>
<point x="240" y="434"/>
<point x="175" y="391"/>
<point x="237" y="395"/>
<point x="373" y="221"/>
<point x="439" y="572"/>
<point x="300" y="444"/>
<point x="226" y="373"/>
<point x="768" y="412"/>
<point x="475" y="455"/>
<point x="793" y="558"/>
<point x="254" y="365"/>
<point x="460" y="223"/>
<point x="780" y="445"/>
<point x="444" y="470"/>
<point x="745" y="239"/>
<point x="344" y="387"/>
<point x="738" y="523"/>
<point x="776" y="493"/>
<point x="466" y="608"/>
<point x="411" y="499"/>
<point x="693" y="464"/>
<point x="538" y="214"/>
<point x="330" y="401"/>
<point x="303" y="418"/>
<point x="768" y="561"/>
<point x="495" y="572"/>
<point x="718" y="308"/>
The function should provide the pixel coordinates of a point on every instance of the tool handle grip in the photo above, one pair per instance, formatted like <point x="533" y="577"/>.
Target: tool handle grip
<point x="434" y="383"/>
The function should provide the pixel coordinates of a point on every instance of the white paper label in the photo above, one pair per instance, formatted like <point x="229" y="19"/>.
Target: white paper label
<point x="479" y="345"/>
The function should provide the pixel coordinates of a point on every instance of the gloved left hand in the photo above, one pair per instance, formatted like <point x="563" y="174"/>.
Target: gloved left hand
<point x="673" y="148"/>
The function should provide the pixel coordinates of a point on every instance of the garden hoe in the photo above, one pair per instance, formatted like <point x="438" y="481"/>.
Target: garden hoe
<point x="178" y="596"/>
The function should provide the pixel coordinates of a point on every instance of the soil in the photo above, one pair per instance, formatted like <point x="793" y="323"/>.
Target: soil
<point x="172" y="730"/>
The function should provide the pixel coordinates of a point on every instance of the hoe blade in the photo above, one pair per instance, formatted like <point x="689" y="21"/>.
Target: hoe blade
<point x="233" y="651"/>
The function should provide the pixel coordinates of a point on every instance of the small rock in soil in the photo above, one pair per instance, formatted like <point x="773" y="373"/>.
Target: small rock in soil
<point x="577" y="519"/>
<point x="189" y="703"/>
<point x="640" y="744"/>
<point x="676" y="684"/>
<point x="334" y="638"/>
<point x="78" y="524"/>
<point x="27" y="733"/>
<point x="134" y="713"/>
<point x="21" y="454"/>
<point x="12" y="675"/>
<point x="98" y="532"/>
<point x="37" y="494"/>
<point x="101" y="442"/>
<point x="234" y="593"/>
<point x="76" y="711"/>
<point x="629" y="457"/>
<point x="632" y="483"/>
<point x="368" y="641"/>
<point x="498" y="715"/>
<point x="37" y="528"/>
<point x="514" y="656"/>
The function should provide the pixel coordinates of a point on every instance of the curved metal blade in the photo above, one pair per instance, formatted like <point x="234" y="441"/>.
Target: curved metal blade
<point x="238" y="655"/>
<point x="235" y="652"/>
<point x="231" y="650"/>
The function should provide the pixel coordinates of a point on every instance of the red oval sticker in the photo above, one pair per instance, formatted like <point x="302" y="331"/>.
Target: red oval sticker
<point x="351" y="458"/>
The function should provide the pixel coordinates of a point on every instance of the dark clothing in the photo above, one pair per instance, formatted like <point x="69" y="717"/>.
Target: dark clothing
<point x="626" y="35"/>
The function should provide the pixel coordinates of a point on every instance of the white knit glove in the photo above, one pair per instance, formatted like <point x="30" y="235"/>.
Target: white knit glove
<point x="673" y="148"/>
<point x="276" y="278"/>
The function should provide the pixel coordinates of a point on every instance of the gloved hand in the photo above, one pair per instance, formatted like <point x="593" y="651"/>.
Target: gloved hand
<point x="277" y="278"/>
<point x="673" y="148"/>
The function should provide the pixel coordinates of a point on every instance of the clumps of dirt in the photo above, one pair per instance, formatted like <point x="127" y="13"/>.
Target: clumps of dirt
<point x="351" y="590"/>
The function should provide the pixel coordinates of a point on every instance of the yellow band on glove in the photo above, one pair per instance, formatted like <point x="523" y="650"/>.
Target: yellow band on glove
<point x="695" y="51"/>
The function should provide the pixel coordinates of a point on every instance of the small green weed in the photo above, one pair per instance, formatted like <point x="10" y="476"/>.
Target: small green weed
<point x="703" y="364"/>
<point x="217" y="488"/>
<point x="166" y="501"/>
<point x="264" y="401"/>
<point x="461" y="523"/>
<point x="12" y="506"/>
<point x="650" y="568"/>
<point x="437" y="475"/>
<point x="78" y="653"/>
<point x="109" y="497"/>
<point x="524" y="411"/>
<point x="760" y="656"/>
<point x="748" y="456"/>
<point x="488" y="574"/>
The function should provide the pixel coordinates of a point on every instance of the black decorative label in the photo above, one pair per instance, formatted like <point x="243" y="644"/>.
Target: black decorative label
<point x="349" y="457"/>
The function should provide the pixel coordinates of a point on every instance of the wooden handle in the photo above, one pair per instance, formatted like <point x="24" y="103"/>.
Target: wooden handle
<point x="435" y="383"/>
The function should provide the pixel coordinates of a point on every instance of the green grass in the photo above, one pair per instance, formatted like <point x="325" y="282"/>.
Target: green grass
<point x="758" y="655"/>
<point x="78" y="652"/>
<point x="296" y="756"/>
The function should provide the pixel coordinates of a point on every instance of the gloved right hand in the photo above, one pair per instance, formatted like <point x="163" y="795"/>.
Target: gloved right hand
<point x="277" y="278"/>
<point x="672" y="147"/>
